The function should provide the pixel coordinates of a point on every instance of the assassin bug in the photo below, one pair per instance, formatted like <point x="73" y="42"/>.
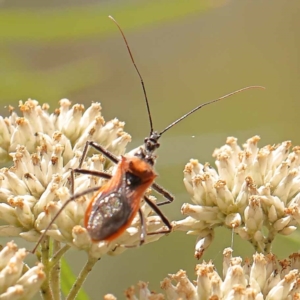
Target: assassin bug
<point x="115" y="204"/>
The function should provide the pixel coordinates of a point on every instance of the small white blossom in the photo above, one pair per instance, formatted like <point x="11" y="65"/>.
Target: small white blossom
<point x="144" y="293"/>
<point x="44" y="148"/>
<point x="14" y="282"/>
<point x="252" y="189"/>
<point x="264" y="278"/>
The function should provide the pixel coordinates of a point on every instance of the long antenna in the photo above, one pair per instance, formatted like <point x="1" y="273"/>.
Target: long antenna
<point x="190" y="112"/>
<point x="210" y="102"/>
<point x="137" y="70"/>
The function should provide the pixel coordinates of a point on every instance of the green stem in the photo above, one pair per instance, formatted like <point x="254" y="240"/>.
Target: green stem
<point x="55" y="272"/>
<point x="81" y="278"/>
<point x="255" y="245"/>
<point x="59" y="254"/>
<point x="270" y="239"/>
<point x="45" y="288"/>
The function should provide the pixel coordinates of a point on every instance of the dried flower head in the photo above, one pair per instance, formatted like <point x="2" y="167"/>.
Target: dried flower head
<point x="45" y="147"/>
<point x="254" y="192"/>
<point x="264" y="278"/>
<point x="17" y="281"/>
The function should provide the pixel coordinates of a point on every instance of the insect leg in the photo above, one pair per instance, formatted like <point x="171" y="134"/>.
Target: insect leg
<point x="101" y="149"/>
<point x="170" y="198"/>
<point x="93" y="173"/>
<point x="142" y="236"/>
<point x="154" y="206"/>
<point x="144" y="232"/>
<point x="87" y="172"/>
<point x="79" y="170"/>
<point x="115" y="159"/>
<point x="161" y="215"/>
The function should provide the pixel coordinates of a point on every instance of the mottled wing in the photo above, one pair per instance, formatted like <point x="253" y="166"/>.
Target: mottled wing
<point x="109" y="215"/>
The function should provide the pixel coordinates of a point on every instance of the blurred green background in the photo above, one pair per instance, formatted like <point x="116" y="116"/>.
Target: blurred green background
<point x="188" y="52"/>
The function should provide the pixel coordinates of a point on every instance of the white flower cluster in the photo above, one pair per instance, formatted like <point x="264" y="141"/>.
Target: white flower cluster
<point x="265" y="278"/>
<point x="254" y="192"/>
<point x="17" y="281"/>
<point x="45" y="147"/>
<point x="143" y="293"/>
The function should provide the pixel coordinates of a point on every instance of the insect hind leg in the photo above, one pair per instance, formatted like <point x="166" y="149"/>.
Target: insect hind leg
<point x="144" y="232"/>
<point x="142" y="236"/>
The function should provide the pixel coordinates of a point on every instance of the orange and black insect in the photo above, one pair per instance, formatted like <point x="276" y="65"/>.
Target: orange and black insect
<point x="115" y="204"/>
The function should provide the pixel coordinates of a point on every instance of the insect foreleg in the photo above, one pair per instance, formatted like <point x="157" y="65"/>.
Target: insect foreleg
<point x="99" y="148"/>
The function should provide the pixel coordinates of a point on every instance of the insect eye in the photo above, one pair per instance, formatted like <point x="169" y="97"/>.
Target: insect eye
<point x="132" y="179"/>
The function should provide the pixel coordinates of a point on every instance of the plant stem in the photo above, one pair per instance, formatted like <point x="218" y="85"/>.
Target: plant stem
<point x="270" y="240"/>
<point x="55" y="272"/>
<point x="45" y="288"/>
<point x="59" y="254"/>
<point x="81" y="278"/>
